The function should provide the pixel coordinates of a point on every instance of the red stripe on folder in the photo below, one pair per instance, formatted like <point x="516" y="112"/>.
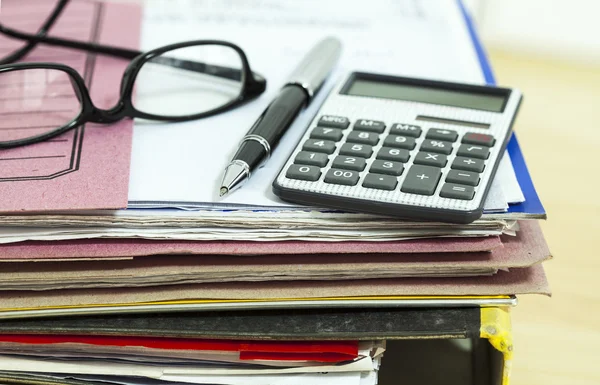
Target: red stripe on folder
<point x="321" y="357"/>
<point x="325" y="351"/>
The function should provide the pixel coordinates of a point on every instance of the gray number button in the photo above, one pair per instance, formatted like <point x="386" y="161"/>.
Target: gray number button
<point x="421" y="180"/>
<point x="311" y="158"/>
<point x="319" y="145"/>
<point x="468" y="164"/>
<point x="437" y="146"/>
<point x="405" y="130"/>
<point x="463" y="177"/>
<point x="349" y="163"/>
<point x="471" y="150"/>
<point x="431" y="159"/>
<point x="397" y="154"/>
<point x="380" y="182"/>
<point x="334" y="122"/>
<point x="297" y="171"/>
<point x="363" y="137"/>
<point x="387" y="167"/>
<point x="456" y="191"/>
<point x="345" y="177"/>
<point x="360" y="150"/>
<point x="334" y="134"/>
<point x="369" y="125"/>
<point x="441" y="134"/>
<point x="400" y="142"/>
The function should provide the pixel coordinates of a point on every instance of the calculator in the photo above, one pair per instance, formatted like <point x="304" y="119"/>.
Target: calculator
<point x="412" y="148"/>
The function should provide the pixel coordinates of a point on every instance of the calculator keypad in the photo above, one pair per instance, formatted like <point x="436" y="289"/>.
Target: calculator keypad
<point x="360" y="150"/>
<point x="380" y="182"/>
<point x="312" y="158"/>
<point x="437" y="146"/>
<point x="431" y="159"/>
<point x="405" y="130"/>
<point x="398" y="141"/>
<point x="369" y="125"/>
<point x="303" y="172"/>
<point x="334" y="134"/>
<point x="468" y="164"/>
<point x="445" y="135"/>
<point x="397" y="154"/>
<point x="421" y="180"/>
<point x="334" y="122"/>
<point x="344" y="177"/>
<point x="350" y="163"/>
<point x="471" y="150"/>
<point x="363" y="137"/>
<point x="387" y="167"/>
<point x="371" y="157"/>
<point x="319" y="145"/>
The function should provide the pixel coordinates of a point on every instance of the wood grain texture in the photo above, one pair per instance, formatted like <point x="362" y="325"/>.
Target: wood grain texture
<point x="557" y="339"/>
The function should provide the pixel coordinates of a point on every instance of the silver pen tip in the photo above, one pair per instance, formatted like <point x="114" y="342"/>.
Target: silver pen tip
<point x="224" y="190"/>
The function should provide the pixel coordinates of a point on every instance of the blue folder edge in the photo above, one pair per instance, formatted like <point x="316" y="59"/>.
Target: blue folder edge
<point x="532" y="204"/>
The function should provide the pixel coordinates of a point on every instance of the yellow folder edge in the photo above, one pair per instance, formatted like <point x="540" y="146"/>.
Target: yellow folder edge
<point x="496" y="328"/>
<point x="209" y="301"/>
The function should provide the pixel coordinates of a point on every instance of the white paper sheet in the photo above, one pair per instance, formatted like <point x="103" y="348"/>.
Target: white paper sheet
<point x="184" y="162"/>
<point x="166" y="372"/>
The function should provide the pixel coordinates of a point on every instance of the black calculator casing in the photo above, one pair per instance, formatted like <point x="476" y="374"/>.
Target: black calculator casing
<point x="425" y="115"/>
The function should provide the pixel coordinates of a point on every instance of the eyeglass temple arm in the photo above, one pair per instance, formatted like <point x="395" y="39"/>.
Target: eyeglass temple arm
<point x="19" y="54"/>
<point x="214" y="70"/>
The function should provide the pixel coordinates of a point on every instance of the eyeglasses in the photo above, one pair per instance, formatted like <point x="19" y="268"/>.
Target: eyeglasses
<point x="175" y="83"/>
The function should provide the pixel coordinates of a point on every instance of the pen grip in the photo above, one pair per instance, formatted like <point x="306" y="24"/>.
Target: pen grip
<point x="273" y="123"/>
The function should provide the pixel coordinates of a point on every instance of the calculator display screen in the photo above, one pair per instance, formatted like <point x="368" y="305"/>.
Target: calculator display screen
<point x="427" y="94"/>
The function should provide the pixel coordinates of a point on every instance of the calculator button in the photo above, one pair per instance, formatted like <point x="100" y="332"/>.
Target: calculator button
<point x="363" y="137"/>
<point x="319" y="145"/>
<point x="405" y="130"/>
<point x="334" y="134"/>
<point x="303" y="172"/>
<point x="334" y="122"/>
<point x="473" y="151"/>
<point x="345" y="177"/>
<point x="387" y="167"/>
<point x="463" y="177"/>
<point x="456" y="191"/>
<point x="389" y="153"/>
<point x="349" y="163"/>
<point x="482" y="139"/>
<point x="421" y="180"/>
<point x="400" y="142"/>
<point x="468" y="164"/>
<point x="360" y="150"/>
<point x="436" y="146"/>
<point x="380" y="182"/>
<point x="312" y="158"/>
<point x="441" y="134"/>
<point x="369" y="125"/>
<point x="431" y="159"/>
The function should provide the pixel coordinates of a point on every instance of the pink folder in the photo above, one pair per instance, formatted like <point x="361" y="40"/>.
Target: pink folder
<point x="88" y="167"/>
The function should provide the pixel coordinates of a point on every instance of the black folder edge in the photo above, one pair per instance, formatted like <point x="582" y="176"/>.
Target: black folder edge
<point x="487" y="328"/>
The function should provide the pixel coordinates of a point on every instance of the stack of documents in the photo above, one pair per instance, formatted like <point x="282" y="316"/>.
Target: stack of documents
<point x="120" y="264"/>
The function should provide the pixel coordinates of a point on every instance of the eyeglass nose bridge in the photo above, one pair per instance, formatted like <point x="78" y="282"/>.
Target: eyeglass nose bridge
<point x="112" y="115"/>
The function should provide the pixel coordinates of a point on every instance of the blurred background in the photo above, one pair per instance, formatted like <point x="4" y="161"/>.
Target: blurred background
<point x="551" y="51"/>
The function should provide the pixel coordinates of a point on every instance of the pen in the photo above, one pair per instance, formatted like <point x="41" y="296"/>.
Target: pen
<point x="306" y="80"/>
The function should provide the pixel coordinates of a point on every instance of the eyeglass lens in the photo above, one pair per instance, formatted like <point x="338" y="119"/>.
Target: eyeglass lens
<point x="35" y="102"/>
<point x="189" y="81"/>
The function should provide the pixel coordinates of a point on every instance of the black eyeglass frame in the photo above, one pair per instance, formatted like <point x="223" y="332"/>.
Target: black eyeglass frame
<point x="253" y="84"/>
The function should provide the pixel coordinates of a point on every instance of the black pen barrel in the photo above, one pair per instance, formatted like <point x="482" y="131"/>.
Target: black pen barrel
<point x="272" y="124"/>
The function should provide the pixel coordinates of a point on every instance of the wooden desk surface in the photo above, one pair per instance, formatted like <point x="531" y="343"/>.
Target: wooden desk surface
<point x="557" y="340"/>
